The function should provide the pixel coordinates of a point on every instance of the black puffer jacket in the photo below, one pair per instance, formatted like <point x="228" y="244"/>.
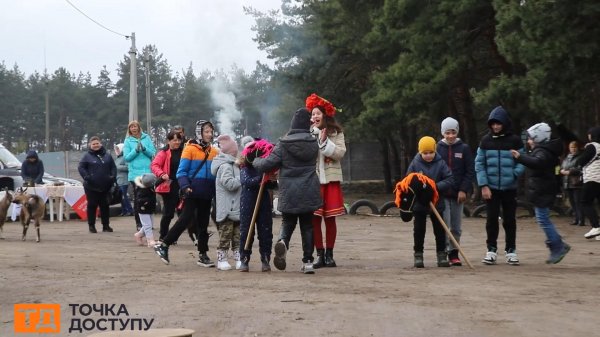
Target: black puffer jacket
<point x="541" y="178"/>
<point x="98" y="170"/>
<point x="295" y="156"/>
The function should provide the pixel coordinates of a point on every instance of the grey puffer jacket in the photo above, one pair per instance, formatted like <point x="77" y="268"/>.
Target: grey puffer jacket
<point x="295" y="156"/>
<point x="228" y="187"/>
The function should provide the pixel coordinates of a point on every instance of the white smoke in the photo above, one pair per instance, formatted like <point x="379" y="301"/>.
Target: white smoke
<point x="227" y="114"/>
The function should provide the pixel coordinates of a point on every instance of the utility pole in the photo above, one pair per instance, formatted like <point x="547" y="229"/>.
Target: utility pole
<point x="148" y="100"/>
<point x="133" y="104"/>
<point x="47" y="99"/>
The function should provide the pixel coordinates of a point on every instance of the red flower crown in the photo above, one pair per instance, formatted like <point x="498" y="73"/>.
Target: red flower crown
<point x="314" y="100"/>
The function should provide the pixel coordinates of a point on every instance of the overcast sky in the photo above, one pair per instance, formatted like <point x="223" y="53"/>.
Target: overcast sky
<point x="212" y="34"/>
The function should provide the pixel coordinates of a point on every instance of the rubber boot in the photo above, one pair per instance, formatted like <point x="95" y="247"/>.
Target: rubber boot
<point x="442" y="259"/>
<point x="329" y="261"/>
<point x="320" y="261"/>
<point x="419" y="260"/>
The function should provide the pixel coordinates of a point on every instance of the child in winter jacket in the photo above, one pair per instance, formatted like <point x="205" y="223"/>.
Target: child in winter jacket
<point x="430" y="164"/>
<point x="228" y="188"/>
<point x="459" y="158"/>
<point x="541" y="164"/>
<point x="145" y="206"/>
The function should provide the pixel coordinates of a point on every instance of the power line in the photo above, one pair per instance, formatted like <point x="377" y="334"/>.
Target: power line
<point x="94" y="21"/>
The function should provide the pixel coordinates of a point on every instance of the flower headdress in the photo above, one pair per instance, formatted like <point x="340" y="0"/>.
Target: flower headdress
<point x="314" y="100"/>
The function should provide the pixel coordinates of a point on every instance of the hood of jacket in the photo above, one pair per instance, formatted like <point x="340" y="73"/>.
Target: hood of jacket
<point x="220" y="159"/>
<point x="32" y="154"/>
<point x="300" y="144"/>
<point x="555" y="146"/>
<point x="500" y="115"/>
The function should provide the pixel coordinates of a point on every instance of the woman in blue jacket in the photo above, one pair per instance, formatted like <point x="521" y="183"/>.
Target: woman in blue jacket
<point x="138" y="152"/>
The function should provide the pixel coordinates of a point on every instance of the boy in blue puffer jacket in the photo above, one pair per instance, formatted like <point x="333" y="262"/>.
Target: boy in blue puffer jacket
<point x="497" y="173"/>
<point x="431" y="164"/>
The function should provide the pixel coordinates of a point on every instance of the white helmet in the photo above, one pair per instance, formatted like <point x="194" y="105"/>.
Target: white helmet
<point x="539" y="133"/>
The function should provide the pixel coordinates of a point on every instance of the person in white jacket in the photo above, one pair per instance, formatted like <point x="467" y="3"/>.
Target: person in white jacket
<point x="332" y="148"/>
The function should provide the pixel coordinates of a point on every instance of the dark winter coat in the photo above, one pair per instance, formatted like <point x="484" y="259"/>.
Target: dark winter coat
<point x="541" y="180"/>
<point x="438" y="171"/>
<point x="495" y="166"/>
<point x="146" y="200"/>
<point x="32" y="171"/>
<point x="459" y="159"/>
<point x="98" y="170"/>
<point x="295" y="156"/>
<point x="250" y="179"/>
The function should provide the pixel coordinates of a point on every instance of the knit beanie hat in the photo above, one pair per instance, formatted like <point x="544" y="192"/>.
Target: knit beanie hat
<point x="449" y="124"/>
<point x="246" y="140"/>
<point x="146" y="180"/>
<point x="427" y="144"/>
<point x="301" y="120"/>
<point x="227" y="145"/>
<point x="539" y="133"/>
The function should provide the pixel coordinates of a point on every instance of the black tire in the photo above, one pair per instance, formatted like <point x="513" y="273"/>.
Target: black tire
<point x="386" y="207"/>
<point x="466" y="212"/>
<point x="480" y="210"/>
<point x="361" y="203"/>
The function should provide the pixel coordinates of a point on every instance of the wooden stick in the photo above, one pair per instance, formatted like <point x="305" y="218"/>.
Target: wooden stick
<point x="439" y="217"/>
<point x="247" y="246"/>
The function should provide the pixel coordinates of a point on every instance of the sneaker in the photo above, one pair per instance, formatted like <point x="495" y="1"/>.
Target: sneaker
<point x="594" y="232"/>
<point x="490" y="258"/>
<point x="204" y="261"/>
<point x="512" y="259"/>
<point x="442" y="259"/>
<point x="280" y="252"/>
<point x="266" y="267"/>
<point x="244" y="268"/>
<point x="162" y="250"/>
<point x="237" y="258"/>
<point x="222" y="263"/>
<point x="307" y="268"/>
<point x="455" y="262"/>
<point x="554" y="259"/>
<point x="598" y="238"/>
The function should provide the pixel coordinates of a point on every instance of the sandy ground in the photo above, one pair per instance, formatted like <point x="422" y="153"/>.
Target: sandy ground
<point x="374" y="291"/>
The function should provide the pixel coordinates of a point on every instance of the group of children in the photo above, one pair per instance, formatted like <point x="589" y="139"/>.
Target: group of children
<point x="500" y="160"/>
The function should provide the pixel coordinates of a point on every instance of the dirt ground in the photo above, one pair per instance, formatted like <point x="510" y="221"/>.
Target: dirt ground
<point x="374" y="291"/>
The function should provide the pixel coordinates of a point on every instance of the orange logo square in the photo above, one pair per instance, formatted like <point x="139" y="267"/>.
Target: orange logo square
<point x="37" y="318"/>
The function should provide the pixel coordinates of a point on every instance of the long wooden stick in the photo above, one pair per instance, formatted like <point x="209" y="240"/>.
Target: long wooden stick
<point x="247" y="246"/>
<point x="439" y="217"/>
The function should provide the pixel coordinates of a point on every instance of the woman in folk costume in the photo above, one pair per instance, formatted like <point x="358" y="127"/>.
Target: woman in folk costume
<point x="332" y="148"/>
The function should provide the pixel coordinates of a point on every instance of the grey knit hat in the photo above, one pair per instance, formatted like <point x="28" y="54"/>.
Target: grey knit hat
<point x="449" y="124"/>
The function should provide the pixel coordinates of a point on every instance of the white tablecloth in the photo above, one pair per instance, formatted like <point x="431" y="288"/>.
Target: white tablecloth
<point x="71" y="194"/>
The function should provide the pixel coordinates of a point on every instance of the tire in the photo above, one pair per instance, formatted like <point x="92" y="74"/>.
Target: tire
<point x="386" y="207"/>
<point x="480" y="210"/>
<point x="361" y="203"/>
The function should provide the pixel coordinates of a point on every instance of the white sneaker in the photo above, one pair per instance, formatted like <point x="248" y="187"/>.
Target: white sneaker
<point x="238" y="260"/>
<point x="594" y="232"/>
<point x="307" y="268"/>
<point x="512" y="259"/>
<point x="222" y="263"/>
<point x="490" y="258"/>
<point x="598" y="238"/>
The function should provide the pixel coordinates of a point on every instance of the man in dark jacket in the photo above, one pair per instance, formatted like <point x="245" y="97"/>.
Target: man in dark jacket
<point x="541" y="164"/>
<point x="497" y="174"/>
<point x="32" y="169"/>
<point x="295" y="156"/>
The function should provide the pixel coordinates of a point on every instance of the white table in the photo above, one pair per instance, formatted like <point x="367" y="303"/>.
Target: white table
<point x="59" y="196"/>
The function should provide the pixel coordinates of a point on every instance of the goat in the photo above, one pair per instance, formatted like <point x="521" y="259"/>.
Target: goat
<point x="32" y="207"/>
<point x="4" y="205"/>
